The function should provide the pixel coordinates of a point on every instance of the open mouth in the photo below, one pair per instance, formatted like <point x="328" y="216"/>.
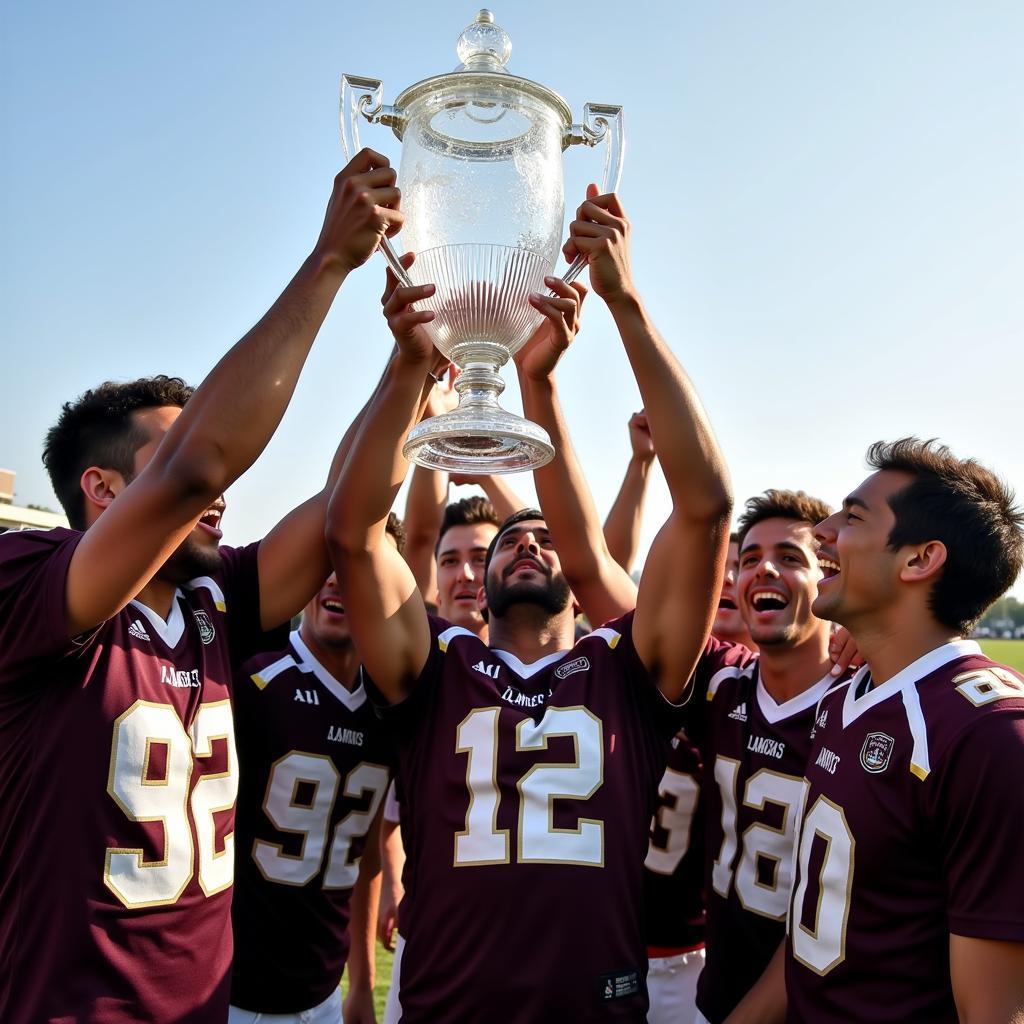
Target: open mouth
<point x="525" y="563"/>
<point x="766" y="601"/>
<point x="332" y="605"/>
<point x="829" y="567"/>
<point x="726" y="604"/>
<point x="464" y="595"/>
<point x="210" y="520"/>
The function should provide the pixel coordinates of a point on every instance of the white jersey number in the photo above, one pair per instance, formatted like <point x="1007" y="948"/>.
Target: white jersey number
<point x="149" y="732"/>
<point x="822" y="946"/>
<point x="308" y="814"/>
<point x="675" y="819"/>
<point x="762" y="845"/>
<point x="540" y="842"/>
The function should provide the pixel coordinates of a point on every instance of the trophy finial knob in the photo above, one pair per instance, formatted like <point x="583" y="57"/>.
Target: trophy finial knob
<point x="484" y="45"/>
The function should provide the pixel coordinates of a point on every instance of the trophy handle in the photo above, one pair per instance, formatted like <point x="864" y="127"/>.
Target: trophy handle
<point x="364" y="96"/>
<point x="601" y="122"/>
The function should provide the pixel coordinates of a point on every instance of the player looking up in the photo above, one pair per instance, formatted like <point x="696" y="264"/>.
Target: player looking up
<point x="117" y="640"/>
<point x="908" y="905"/>
<point x="315" y="765"/>
<point x="493" y="738"/>
<point x="752" y="726"/>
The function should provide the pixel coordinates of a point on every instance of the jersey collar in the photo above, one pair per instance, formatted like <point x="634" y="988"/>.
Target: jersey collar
<point x="854" y="706"/>
<point x="173" y="629"/>
<point x="774" y="713"/>
<point x="352" y="699"/>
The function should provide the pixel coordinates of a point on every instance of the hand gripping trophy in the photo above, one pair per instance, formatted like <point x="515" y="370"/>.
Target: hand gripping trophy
<point x="483" y="197"/>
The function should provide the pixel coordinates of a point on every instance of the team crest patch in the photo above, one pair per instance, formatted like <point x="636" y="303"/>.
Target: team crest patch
<point x="572" y="667"/>
<point x="206" y="630"/>
<point x="875" y="754"/>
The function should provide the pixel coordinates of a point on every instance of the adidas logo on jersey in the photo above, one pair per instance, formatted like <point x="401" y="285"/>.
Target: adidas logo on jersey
<point x="488" y="670"/>
<point x="820" y="721"/>
<point x="306" y="696"/>
<point x="739" y="713"/>
<point x="137" y="630"/>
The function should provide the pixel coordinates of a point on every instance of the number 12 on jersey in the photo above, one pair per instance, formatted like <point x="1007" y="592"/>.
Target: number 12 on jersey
<point x="539" y="841"/>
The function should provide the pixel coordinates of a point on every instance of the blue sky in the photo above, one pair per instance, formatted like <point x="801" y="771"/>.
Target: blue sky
<point x="826" y="201"/>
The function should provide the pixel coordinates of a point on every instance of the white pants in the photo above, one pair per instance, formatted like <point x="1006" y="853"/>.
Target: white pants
<point x="393" y="1008"/>
<point x="328" y="1012"/>
<point x="672" y="987"/>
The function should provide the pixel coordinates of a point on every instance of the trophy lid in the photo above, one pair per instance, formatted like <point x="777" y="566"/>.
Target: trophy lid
<point x="484" y="48"/>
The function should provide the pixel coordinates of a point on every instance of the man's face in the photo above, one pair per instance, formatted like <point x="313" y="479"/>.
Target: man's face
<point x="198" y="553"/>
<point x="323" y="619"/>
<point x="460" y="573"/>
<point x="728" y="623"/>
<point x="525" y="569"/>
<point x="860" y="570"/>
<point x="778" y="582"/>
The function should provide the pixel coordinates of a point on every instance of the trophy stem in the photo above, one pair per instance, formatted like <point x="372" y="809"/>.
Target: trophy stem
<point x="479" y="437"/>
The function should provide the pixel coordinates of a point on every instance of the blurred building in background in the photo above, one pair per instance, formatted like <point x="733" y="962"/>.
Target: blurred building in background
<point x="16" y="517"/>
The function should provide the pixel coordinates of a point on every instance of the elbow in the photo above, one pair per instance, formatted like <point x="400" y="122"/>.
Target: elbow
<point x="345" y="536"/>
<point x="196" y="471"/>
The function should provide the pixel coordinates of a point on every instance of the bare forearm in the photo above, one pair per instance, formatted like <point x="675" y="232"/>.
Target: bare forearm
<point x="232" y="416"/>
<point x="362" y="959"/>
<point x="424" y="510"/>
<point x="689" y="454"/>
<point x="601" y="585"/>
<point x="375" y="468"/>
<point x="625" y="517"/>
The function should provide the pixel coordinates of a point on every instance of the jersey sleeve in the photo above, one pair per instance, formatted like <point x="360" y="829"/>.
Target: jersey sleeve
<point x="33" y="614"/>
<point x="978" y="808"/>
<point x="240" y="580"/>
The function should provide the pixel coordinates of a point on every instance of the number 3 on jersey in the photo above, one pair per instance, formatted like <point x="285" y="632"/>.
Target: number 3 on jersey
<point x="539" y="841"/>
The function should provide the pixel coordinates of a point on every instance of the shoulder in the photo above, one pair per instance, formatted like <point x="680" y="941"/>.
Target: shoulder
<point x="723" y="664"/>
<point x="25" y="547"/>
<point x="262" y="669"/>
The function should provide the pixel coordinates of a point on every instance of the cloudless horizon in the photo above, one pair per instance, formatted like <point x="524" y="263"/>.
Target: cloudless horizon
<point x="826" y="205"/>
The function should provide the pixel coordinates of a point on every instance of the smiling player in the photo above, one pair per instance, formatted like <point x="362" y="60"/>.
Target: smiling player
<point x="117" y="641"/>
<point x="908" y="903"/>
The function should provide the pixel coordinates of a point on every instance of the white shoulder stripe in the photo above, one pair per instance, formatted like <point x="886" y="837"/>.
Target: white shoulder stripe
<point x="919" y="762"/>
<point x="610" y="636"/>
<point x="729" y="672"/>
<point x="212" y="586"/>
<point x="273" y="670"/>
<point x="445" y="638"/>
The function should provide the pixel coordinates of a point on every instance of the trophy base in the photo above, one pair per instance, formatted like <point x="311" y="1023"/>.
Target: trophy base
<point x="463" y="441"/>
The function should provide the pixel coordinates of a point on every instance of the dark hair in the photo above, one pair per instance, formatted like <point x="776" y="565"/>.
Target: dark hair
<point x="778" y="504"/>
<point x="466" y="512"/>
<point x="970" y="510"/>
<point x="396" y="528"/>
<point x="734" y="537"/>
<point x="517" y="517"/>
<point x="98" y="430"/>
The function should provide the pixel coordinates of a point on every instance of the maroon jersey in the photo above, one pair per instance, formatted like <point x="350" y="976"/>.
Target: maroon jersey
<point x="314" y="769"/>
<point x="117" y="791"/>
<point x="674" y="879"/>
<point x="529" y="791"/>
<point x="911" y="831"/>
<point x="755" y="754"/>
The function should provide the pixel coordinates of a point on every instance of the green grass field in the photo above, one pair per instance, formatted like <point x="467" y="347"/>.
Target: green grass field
<point x="1009" y="652"/>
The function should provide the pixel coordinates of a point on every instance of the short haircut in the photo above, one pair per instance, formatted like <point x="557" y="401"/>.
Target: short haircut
<point x="466" y="512"/>
<point x="734" y="537"/>
<point x="521" y="516"/>
<point x="970" y="510"/>
<point x="396" y="528"/>
<point x="778" y="504"/>
<point x="98" y="430"/>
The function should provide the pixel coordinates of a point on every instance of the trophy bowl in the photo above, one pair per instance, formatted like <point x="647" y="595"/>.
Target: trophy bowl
<point x="483" y="198"/>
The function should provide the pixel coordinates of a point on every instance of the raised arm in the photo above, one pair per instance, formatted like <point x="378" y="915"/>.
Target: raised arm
<point x="233" y="414"/>
<point x="683" y="573"/>
<point x="626" y="516"/>
<point x="602" y="587"/>
<point x="425" y="504"/>
<point x="497" y="490"/>
<point x="385" y="610"/>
